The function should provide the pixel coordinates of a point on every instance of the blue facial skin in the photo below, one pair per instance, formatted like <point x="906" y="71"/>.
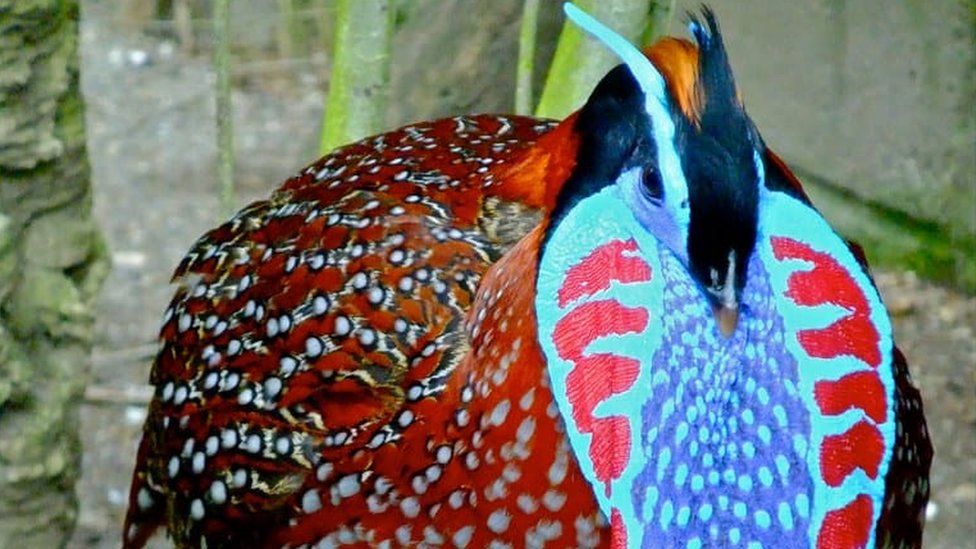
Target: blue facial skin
<point x="653" y="214"/>
<point x="649" y="110"/>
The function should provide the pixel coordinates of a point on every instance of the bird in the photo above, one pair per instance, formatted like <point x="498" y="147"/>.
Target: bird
<point x="628" y="328"/>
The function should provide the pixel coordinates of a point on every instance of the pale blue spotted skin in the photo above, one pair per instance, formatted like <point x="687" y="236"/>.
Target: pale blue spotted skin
<point x="725" y="433"/>
<point x="724" y="428"/>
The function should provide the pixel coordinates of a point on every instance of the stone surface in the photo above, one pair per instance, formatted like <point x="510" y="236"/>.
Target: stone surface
<point x="49" y="270"/>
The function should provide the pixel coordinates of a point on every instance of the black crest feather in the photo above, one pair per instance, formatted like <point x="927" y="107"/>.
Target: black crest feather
<point x="718" y="157"/>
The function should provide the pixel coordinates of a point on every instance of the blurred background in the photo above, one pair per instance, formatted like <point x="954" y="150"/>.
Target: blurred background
<point x="873" y="102"/>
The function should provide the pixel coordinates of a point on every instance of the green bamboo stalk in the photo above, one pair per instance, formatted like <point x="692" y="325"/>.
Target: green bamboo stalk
<point x="526" y="57"/>
<point x="580" y="63"/>
<point x="225" y="116"/>
<point x="359" y="86"/>
<point x="659" y="22"/>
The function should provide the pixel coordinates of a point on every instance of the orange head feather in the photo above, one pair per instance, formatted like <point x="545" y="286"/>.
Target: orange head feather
<point x="677" y="61"/>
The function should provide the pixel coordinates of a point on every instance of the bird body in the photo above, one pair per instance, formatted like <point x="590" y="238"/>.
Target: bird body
<point x="315" y="364"/>
<point x="630" y="328"/>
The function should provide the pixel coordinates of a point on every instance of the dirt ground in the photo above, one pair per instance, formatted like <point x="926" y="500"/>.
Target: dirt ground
<point x="151" y="142"/>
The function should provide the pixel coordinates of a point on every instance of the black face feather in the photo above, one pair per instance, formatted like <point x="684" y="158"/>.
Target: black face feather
<point x="614" y="135"/>
<point x="718" y="158"/>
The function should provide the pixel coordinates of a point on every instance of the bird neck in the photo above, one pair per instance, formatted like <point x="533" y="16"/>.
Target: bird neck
<point x="536" y="176"/>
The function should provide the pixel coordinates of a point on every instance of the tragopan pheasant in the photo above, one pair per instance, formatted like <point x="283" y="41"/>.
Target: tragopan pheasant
<point x="630" y="328"/>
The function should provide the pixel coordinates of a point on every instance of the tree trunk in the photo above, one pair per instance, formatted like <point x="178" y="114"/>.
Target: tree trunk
<point x="52" y="260"/>
<point x="580" y="61"/>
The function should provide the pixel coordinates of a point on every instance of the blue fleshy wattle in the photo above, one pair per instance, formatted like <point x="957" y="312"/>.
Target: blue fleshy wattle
<point x="725" y="434"/>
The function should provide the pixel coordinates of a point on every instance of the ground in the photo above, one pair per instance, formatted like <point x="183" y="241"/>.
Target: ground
<point x="151" y="142"/>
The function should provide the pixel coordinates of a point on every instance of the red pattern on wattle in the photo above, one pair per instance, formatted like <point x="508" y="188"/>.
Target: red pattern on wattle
<point x="618" y="530"/>
<point x="830" y="283"/>
<point x="848" y="527"/>
<point x="595" y="378"/>
<point x="858" y="390"/>
<point x="593" y="274"/>
<point x="861" y="446"/>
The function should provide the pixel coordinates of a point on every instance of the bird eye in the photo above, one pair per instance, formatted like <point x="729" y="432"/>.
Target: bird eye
<point x="651" y="182"/>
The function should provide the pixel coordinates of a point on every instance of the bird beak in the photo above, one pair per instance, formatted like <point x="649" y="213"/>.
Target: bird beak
<point x="727" y="319"/>
<point x="727" y="310"/>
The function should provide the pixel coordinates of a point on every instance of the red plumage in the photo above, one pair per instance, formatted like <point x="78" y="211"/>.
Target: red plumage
<point x="314" y="379"/>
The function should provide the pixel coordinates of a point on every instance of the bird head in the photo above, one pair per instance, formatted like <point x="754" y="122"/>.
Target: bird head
<point x="681" y="152"/>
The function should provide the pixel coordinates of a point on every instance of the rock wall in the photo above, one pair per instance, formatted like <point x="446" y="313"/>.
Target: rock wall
<point x="51" y="263"/>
